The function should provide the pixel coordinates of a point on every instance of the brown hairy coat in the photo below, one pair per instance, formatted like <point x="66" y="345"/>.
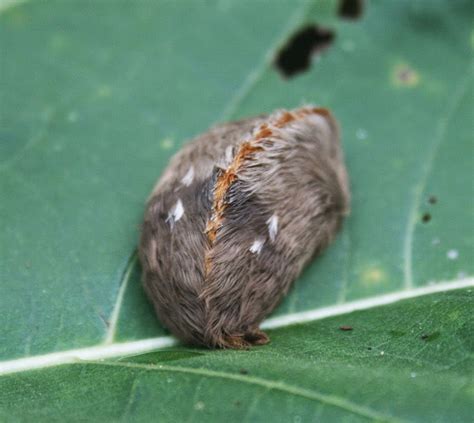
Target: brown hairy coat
<point x="235" y="217"/>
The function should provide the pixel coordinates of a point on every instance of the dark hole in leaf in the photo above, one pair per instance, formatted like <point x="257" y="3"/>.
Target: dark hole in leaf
<point x="295" y="56"/>
<point x="243" y="371"/>
<point x="432" y="199"/>
<point x="351" y="9"/>
<point x="426" y="218"/>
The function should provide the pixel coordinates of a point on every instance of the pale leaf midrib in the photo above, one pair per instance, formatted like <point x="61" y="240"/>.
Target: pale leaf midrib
<point x="143" y="346"/>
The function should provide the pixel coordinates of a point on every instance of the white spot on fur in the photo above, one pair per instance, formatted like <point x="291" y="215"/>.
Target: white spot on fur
<point x="229" y="154"/>
<point x="257" y="246"/>
<point x="272" y="226"/>
<point x="178" y="210"/>
<point x="188" y="178"/>
<point x="175" y="213"/>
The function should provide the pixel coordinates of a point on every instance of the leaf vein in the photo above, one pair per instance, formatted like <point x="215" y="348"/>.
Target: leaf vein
<point x="257" y="73"/>
<point x="114" y="317"/>
<point x="281" y="386"/>
<point x="440" y="136"/>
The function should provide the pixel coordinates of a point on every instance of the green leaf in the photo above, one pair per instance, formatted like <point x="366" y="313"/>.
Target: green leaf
<point x="95" y="97"/>
<point x="410" y="361"/>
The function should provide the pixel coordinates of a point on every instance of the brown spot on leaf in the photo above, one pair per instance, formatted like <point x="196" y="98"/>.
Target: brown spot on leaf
<point x="426" y="218"/>
<point x="405" y="76"/>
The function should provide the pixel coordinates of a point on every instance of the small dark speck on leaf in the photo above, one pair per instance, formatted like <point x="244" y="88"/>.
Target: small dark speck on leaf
<point x="351" y="9"/>
<point x="432" y="199"/>
<point x="243" y="371"/>
<point x="237" y="403"/>
<point x="426" y="218"/>
<point x="428" y="337"/>
<point x="294" y="57"/>
<point x="346" y="328"/>
<point x="369" y="348"/>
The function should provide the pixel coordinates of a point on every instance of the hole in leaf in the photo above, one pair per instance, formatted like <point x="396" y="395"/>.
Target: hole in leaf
<point x="351" y="9"/>
<point x="295" y="56"/>
<point x="432" y="199"/>
<point x="426" y="218"/>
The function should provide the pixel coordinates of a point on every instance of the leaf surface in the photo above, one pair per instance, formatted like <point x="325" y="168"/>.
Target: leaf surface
<point x="410" y="361"/>
<point x="95" y="97"/>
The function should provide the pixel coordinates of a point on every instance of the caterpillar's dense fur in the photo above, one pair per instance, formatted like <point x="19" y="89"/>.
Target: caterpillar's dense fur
<point x="235" y="217"/>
